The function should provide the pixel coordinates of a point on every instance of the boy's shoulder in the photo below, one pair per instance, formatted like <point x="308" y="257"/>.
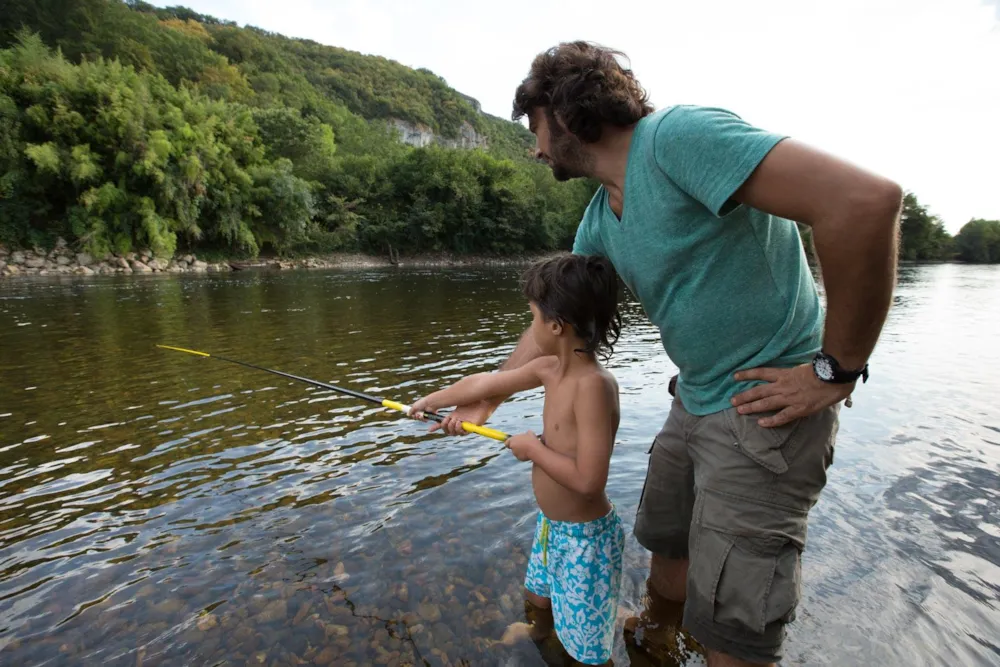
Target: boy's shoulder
<point x="595" y="400"/>
<point x="600" y="382"/>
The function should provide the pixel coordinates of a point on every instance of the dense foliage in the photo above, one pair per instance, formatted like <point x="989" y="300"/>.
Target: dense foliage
<point x="128" y="126"/>
<point x="978" y="241"/>
<point x="922" y="235"/>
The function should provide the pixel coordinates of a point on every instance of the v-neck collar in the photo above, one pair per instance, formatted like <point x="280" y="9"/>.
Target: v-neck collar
<point x="628" y="171"/>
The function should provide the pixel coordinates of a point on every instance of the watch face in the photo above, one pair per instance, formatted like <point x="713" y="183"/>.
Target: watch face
<point x="823" y="369"/>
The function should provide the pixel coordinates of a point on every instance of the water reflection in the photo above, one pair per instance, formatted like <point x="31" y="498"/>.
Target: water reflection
<point x="162" y="509"/>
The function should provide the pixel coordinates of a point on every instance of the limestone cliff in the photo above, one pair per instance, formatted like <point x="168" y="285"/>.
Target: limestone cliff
<point x="419" y="135"/>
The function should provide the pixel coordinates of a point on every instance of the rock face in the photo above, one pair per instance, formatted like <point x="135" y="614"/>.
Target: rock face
<point x="419" y="135"/>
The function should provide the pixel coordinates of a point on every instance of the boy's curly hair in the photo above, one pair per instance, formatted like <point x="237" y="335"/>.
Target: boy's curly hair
<point x="585" y="87"/>
<point x="579" y="291"/>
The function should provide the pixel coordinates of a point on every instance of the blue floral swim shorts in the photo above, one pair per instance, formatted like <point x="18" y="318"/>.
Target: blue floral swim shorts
<point x="578" y="566"/>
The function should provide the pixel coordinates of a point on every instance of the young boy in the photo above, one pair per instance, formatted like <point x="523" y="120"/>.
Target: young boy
<point x="576" y="558"/>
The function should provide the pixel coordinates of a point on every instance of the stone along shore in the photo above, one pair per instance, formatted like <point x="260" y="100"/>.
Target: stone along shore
<point x="63" y="261"/>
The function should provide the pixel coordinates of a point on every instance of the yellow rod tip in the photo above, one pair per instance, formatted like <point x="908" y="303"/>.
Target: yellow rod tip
<point x="182" y="349"/>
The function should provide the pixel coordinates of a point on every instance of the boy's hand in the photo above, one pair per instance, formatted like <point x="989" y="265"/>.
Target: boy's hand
<point x="523" y="444"/>
<point x="419" y="407"/>
<point x="452" y="422"/>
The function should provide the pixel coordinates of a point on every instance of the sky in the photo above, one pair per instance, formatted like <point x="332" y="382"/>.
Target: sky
<point x="907" y="88"/>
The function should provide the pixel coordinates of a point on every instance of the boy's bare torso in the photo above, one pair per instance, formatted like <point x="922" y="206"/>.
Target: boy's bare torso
<point x="557" y="502"/>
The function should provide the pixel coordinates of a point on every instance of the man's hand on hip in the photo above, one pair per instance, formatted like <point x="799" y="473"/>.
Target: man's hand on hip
<point x="793" y="392"/>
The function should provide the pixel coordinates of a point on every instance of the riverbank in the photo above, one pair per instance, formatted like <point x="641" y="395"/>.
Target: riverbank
<point x="62" y="260"/>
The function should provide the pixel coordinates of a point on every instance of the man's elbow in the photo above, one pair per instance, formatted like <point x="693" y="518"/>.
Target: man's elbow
<point x="879" y="202"/>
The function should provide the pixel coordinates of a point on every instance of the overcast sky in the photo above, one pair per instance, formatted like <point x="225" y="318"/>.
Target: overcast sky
<point x="908" y="88"/>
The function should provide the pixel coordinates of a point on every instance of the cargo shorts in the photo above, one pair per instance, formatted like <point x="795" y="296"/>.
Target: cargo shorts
<point x="734" y="498"/>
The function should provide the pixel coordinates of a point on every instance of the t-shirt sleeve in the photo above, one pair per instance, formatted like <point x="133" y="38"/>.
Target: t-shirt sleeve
<point x="709" y="153"/>
<point x="584" y="243"/>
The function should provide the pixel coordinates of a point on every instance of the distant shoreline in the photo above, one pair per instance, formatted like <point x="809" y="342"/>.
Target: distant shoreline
<point x="61" y="261"/>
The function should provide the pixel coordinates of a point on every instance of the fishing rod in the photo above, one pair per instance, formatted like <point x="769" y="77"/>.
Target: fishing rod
<point x="384" y="402"/>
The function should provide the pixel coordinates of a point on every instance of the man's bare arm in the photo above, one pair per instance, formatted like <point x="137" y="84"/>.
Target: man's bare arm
<point x="525" y="351"/>
<point x="854" y="216"/>
<point x="481" y="386"/>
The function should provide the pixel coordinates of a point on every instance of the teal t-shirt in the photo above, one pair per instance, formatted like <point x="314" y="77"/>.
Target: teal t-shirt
<point x="727" y="285"/>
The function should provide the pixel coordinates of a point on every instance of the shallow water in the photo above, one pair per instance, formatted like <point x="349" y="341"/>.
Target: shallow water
<point x="161" y="509"/>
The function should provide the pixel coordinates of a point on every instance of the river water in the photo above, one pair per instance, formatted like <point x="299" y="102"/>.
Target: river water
<point x="163" y="509"/>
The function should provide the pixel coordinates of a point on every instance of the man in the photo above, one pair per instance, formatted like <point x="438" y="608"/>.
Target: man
<point x="695" y="210"/>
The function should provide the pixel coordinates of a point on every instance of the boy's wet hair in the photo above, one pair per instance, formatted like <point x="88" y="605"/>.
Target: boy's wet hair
<point x="579" y="291"/>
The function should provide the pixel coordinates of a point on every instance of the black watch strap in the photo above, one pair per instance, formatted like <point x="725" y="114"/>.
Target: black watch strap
<point x="828" y="369"/>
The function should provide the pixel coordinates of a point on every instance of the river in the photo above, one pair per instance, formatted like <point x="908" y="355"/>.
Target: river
<point x="163" y="509"/>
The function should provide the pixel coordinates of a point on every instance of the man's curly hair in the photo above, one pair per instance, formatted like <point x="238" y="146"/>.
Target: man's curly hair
<point x="585" y="87"/>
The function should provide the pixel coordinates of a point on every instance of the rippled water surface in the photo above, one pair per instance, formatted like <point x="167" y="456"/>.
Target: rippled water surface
<point x="162" y="509"/>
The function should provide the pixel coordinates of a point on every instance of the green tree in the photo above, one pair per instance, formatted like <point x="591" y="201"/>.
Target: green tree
<point x="978" y="241"/>
<point x="164" y="128"/>
<point x="922" y="235"/>
<point x="306" y="142"/>
<point x="116" y="158"/>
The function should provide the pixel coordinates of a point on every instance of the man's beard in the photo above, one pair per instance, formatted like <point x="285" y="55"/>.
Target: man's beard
<point x="568" y="157"/>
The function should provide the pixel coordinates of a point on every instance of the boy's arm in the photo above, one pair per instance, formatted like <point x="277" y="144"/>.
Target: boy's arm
<point x="588" y="473"/>
<point x="481" y="386"/>
<point x="478" y="412"/>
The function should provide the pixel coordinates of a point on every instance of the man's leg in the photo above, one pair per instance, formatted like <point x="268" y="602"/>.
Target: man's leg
<point x="666" y="504"/>
<point x="668" y="577"/>
<point x="755" y="487"/>
<point x="662" y="526"/>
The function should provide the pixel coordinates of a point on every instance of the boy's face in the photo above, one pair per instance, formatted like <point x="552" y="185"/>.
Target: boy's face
<point x="545" y="333"/>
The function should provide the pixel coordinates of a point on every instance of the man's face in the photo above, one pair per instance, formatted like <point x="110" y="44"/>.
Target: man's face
<point x="563" y="152"/>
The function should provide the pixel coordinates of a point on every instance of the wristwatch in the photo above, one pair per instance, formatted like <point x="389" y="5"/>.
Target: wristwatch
<point x="828" y="369"/>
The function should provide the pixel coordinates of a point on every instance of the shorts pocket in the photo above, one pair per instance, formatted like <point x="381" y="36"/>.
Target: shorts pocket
<point x="745" y="578"/>
<point x="756" y="581"/>
<point x="773" y="448"/>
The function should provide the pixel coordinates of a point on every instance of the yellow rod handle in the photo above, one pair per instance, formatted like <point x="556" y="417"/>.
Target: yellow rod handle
<point x="484" y="431"/>
<point x="468" y="426"/>
<point x="393" y="405"/>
